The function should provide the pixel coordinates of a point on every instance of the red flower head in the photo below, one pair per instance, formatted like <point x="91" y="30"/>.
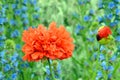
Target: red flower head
<point x="103" y="32"/>
<point x="54" y="43"/>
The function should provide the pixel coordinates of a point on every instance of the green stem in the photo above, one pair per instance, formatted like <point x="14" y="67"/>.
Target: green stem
<point x="51" y="73"/>
<point x="22" y="75"/>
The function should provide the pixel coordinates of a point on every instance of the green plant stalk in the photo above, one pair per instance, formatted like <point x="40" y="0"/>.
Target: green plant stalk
<point x="51" y="73"/>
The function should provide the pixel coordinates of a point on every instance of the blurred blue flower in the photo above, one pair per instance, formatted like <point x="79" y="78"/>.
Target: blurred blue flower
<point x="100" y="19"/>
<point x="1" y="76"/>
<point x="101" y="57"/>
<point x="47" y="78"/>
<point x="3" y="61"/>
<point x="2" y="20"/>
<point x="3" y="10"/>
<point x="14" y="76"/>
<point x="111" y="5"/>
<point x="109" y="76"/>
<point x="78" y="28"/>
<point x="37" y="8"/>
<point x="24" y="15"/>
<point x="117" y="11"/>
<point x="24" y="65"/>
<point x="80" y="2"/>
<point x="104" y="66"/>
<point x="47" y="70"/>
<point x="17" y="12"/>
<point x="18" y="46"/>
<point x="94" y="55"/>
<point x="14" y="6"/>
<point x="1" y="44"/>
<point x="7" y="67"/>
<point x="1" y="29"/>
<point x="117" y="38"/>
<point x="2" y="53"/>
<point x="25" y="21"/>
<point x="12" y="22"/>
<point x="102" y="48"/>
<point x="117" y="0"/>
<point x="99" y="75"/>
<point x="15" y="64"/>
<point x="36" y="16"/>
<point x="86" y="18"/>
<point x="112" y="24"/>
<point x="91" y="11"/>
<point x="110" y="68"/>
<point x="90" y="39"/>
<point x="15" y="33"/>
<point x="113" y="58"/>
<point x="2" y="37"/>
<point x="109" y="16"/>
<point x="25" y="2"/>
<point x="24" y="8"/>
<point x="14" y="57"/>
<point x="33" y="2"/>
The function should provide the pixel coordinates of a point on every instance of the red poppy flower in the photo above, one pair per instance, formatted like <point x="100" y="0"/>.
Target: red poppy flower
<point x="54" y="43"/>
<point x="103" y="32"/>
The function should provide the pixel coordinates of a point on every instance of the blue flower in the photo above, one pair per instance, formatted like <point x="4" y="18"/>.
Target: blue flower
<point x="117" y="38"/>
<point x="15" y="33"/>
<point x="113" y="58"/>
<point x="100" y="4"/>
<point x="1" y="29"/>
<point x="1" y="44"/>
<point x="102" y="48"/>
<point x="15" y="64"/>
<point x="111" y="5"/>
<point x="75" y="15"/>
<point x="117" y="0"/>
<point x="14" y="58"/>
<point x="86" y="18"/>
<point x="117" y="11"/>
<point x="26" y="21"/>
<point x="2" y="20"/>
<point x="78" y="28"/>
<point x="91" y="11"/>
<point x="2" y="53"/>
<point x="3" y="10"/>
<point x="112" y="24"/>
<point x="109" y="16"/>
<point x="12" y="22"/>
<point x="101" y="57"/>
<point x="80" y="2"/>
<point x="1" y="76"/>
<point x="110" y="68"/>
<point x="109" y="75"/>
<point x="17" y="12"/>
<point x="18" y="46"/>
<point x="14" y="6"/>
<point x="7" y="67"/>
<point x="99" y="75"/>
<point x="24" y="15"/>
<point x="24" y="8"/>
<point x="33" y="2"/>
<point x="25" y="2"/>
<point x="37" y="8"/>
<point x="3" y="37"/>
<point x="47" y="70"/>
<point x="14" y="76"/>
<point x="100" y="19"/>
<point x="36" y="16"/>
<point x="3" y="61"/>
<point x="104" y="66"/>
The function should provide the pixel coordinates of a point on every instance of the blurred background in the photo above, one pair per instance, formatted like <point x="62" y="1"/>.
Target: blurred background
<point x="82" y="18"/>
